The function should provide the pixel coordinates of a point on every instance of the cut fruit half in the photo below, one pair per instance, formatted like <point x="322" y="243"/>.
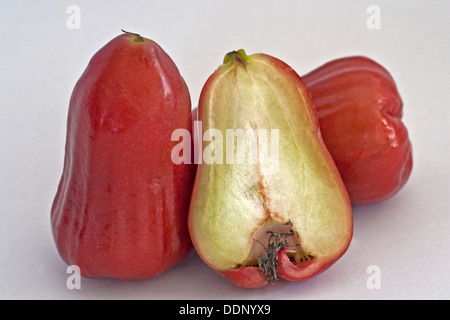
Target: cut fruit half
<point x="271" y="204"/>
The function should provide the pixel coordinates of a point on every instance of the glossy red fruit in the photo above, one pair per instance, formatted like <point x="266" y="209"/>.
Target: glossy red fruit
<point x="360" y="114"/>
<point x="121" y="206"/>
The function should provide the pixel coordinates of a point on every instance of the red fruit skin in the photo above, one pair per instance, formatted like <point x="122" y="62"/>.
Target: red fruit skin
<point x="251" y="277"/>
<point x="121" y="207"/>
<point x="360" y="113"/>
<point x="246" y="277"/>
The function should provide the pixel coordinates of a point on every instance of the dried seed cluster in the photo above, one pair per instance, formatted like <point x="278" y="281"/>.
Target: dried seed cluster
<point x="268" y="261"/>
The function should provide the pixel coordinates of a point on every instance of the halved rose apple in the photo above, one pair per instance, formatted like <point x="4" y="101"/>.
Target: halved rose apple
<point x="260" y="213"/>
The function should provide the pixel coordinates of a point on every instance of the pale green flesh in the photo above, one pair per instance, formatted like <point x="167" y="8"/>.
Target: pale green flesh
<point x="234" y="200"/>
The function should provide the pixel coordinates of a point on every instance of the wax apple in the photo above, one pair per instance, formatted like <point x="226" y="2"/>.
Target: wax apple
<point x="121" y="206"/>
<point x="360" y="112"/>
<point x="289" y="216"/>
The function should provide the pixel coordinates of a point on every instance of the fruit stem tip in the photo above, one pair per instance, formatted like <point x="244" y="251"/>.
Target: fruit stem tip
<point x="236" y="56"/>
<point x="137" y="37"/>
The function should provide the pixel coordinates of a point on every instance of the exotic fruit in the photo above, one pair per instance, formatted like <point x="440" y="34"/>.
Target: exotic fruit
<point x="268" y="201"/>
<point x="121" y="206"/>
<point x="360" y="113"/>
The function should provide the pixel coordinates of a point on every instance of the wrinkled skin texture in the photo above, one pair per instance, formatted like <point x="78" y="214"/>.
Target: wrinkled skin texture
<point x="360" y="113"/>
<point x="121" y="206"/>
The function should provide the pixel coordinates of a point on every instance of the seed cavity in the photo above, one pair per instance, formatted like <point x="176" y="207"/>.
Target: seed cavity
<point x="268" y="261"/>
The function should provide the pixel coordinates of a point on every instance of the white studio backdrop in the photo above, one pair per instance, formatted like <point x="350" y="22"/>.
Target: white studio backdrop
<point x="46" y="45"/>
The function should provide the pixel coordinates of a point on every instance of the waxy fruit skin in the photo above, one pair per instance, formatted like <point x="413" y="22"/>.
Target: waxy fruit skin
<point x="360" y="111"/>
<point x="121" y="207"/>
<point x="234" y="205"/>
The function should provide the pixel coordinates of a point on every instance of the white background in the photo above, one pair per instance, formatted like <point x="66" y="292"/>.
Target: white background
<point x="41" y="59"/>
